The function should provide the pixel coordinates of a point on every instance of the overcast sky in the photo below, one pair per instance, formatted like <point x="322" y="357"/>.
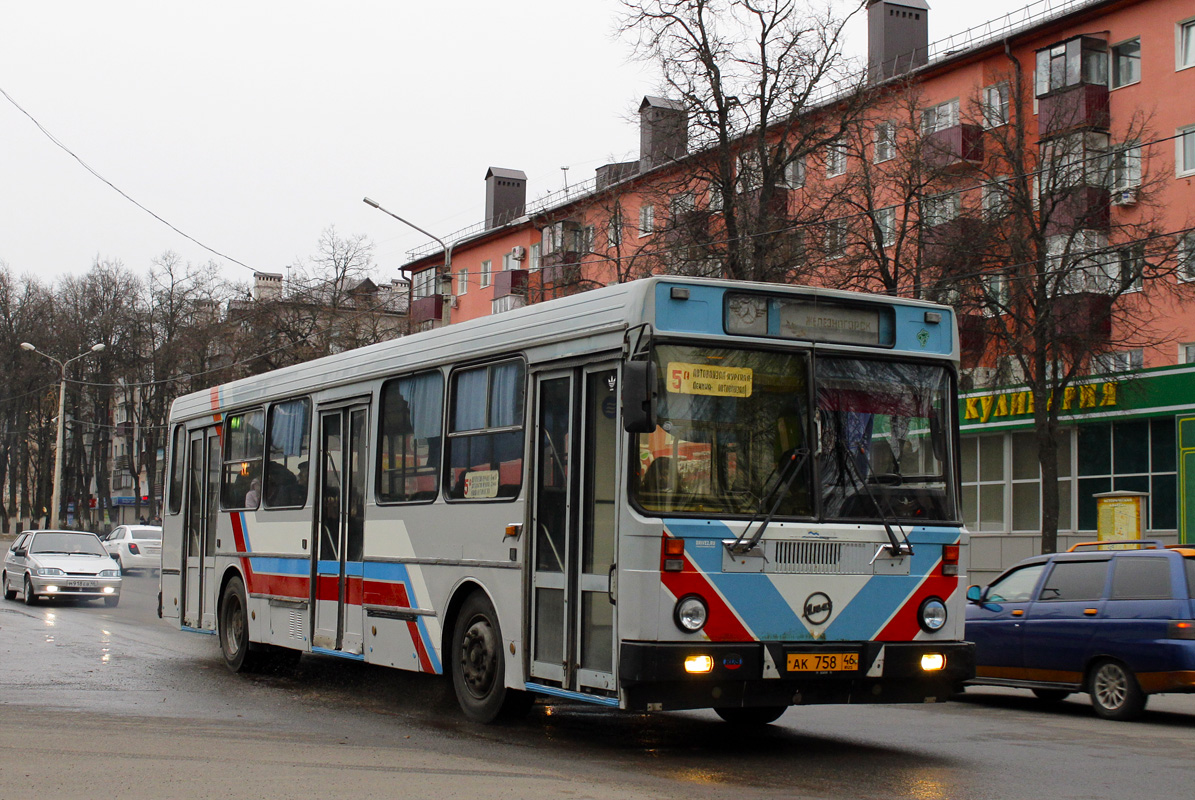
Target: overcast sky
<point x="252" y="126"/>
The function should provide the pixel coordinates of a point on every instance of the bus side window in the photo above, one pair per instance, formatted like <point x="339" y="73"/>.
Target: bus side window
<point x="409" y="455"/>
<point x="244" y="440"/>
<point x="485" y="438"/>
<point x="286" y="470"/>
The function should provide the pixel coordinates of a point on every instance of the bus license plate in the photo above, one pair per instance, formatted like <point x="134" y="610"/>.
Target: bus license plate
<point x="81" y="584"/>
<point x="823" y="662"/>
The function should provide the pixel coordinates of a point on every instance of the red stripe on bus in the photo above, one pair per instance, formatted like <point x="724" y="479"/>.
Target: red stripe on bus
<point x="379" y="593"/>
<point x="425" y="663"/>
<point x="904" y="626"/>
<point x="723" y="625"/>
<point x="282" y="585"/>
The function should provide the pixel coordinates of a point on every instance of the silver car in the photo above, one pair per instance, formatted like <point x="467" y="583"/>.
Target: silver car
<point x="135" y="546"/>
<point x="60" y="564"/>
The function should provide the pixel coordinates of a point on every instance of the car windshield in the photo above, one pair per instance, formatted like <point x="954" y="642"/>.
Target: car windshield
<point x="67" y="543"/>
<point x="883" y="440"/>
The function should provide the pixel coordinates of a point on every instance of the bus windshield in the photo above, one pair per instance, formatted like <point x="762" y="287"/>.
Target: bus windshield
<point x="727" y="420"/>
<point x="883" y="443"/>
<point x="737" y="434"/>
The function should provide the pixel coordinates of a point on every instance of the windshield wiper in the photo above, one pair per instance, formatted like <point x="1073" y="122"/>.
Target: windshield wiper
<point x="895" y="546"/>
<point x="781" y="490"/>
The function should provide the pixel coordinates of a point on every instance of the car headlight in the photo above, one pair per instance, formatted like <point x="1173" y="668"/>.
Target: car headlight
<point x="932" y="615"/>
<point x="691" y="613"/>
<point x="109" y="573"/>
<point x="43" y="571"/>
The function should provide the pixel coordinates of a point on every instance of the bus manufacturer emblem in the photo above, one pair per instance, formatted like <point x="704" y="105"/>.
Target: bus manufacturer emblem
<point x="818" y="608"/>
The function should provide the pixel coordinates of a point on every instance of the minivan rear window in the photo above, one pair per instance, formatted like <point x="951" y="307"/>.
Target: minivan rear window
<point x="1075" y="580"/>
<point x="1141" y="578"/>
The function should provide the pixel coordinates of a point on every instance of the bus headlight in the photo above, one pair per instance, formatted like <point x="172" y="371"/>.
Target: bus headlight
<point x="932" y="615"/>
<point x="691" y="613"/>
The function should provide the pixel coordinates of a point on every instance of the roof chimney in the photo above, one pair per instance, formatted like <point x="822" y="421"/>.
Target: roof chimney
<point x="663" y="132"/>
<point x="897" y="37"/>
<point x="505" y="195"/>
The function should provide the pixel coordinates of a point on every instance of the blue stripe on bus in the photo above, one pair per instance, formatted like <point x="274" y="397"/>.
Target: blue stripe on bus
<point x="325" y="652"/>
<point x="352" y="569"/>
<point x="582" y="696"/>
<point x="281" y="566"/>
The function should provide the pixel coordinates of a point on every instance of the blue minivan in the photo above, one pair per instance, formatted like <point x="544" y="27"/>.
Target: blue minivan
<point x="1118" y="624"/>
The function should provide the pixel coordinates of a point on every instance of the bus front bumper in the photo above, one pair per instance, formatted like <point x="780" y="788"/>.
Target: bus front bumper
<point x="654" y="676"/>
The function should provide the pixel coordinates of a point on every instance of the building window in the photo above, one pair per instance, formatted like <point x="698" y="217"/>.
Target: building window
<point x="885" y="142"/>
<point x="715" y="194"/>
<point x="483" y="278"/>
<point x="1135" y="456"/>
<point x="681" y="204"/>
<point x="1185" y="156"/>
<point x="583" y="239"/>
<point x="1126" y="167"/>
<point x="995" y="105"/>
<point x="1185" y="44"/>
<point x="836" y="233"/>
<point x="994" y="199"/>
<point x="1076" y="160"/>
<point x="835" y="159"/>
<point x="533" y="256"/>
<point x="750" y="175"/>
<point x="984" y="472"/>
<point x="1129" y="266"/>
<point x="614" y="229"/>
<point x="1186" y="353"/>
<point x="1120" y="361"/>
<point x="1186" y="256"/>
<point x="996" y="294"/>
<point x="462" y="281"/>
<point x="509" y="262"/>
<point x="939" y="209"/>
<point x="940" y="117"/>
<point x="647" y="220"/>
<point x="423" y="284"/>
<point x="1078" y="61"/>
<point x="794" y="173"/>
<point x="885" y="222"/>
<point x="1126" y="63"/>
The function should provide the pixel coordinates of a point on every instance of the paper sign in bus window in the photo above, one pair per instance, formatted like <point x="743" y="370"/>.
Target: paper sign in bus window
<point x="482" y="483"/>
<point x="705" y="379"/>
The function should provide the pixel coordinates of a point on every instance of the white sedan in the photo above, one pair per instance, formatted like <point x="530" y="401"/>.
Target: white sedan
<point x="60" y="564"/>
<point x="135" y="546"/>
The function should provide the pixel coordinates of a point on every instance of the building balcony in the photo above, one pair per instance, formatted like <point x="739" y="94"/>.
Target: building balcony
<point x="1075" y="108"/>
<point x="753" y="202"/>
<point x="510" y="282"/>
<point x="956" y="243"/>
<point x="1077" y="208"/>
<point x="427" y="309"/>
<point x="560" y="267"/>
<point x="1082" y="317"/>
<point x="953" y="146"/>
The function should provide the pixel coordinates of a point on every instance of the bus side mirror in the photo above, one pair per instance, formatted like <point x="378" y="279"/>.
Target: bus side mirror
<point x="638" y="396"/>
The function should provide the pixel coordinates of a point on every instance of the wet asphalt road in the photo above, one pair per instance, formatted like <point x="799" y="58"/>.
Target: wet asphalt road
<point x="98" y="702"/>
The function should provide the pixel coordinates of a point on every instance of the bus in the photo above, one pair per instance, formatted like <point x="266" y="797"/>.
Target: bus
<point x="672" y="493"/>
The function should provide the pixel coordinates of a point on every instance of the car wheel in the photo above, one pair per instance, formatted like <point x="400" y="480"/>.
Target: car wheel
<point x="761" y="715"/>
<point x="112" y="602"/>
<point x="9" y="592"/>
<point x="478" y="666"/>
<point x="1115" y="692"/>
<point x="30" y="597"/>
<point x="1051" y="695"/>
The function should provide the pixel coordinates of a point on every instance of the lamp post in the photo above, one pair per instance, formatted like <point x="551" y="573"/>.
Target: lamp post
<point x="56" y="503"/>
<point x="446" y="278"/>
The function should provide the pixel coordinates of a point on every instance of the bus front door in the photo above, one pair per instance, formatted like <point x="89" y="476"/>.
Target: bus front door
<point x="337" y="567"/>
<point x="575" y="523"/>
<point x="200" y="518"/>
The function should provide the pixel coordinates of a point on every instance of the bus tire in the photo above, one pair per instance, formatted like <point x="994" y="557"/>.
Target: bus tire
<point x="233" y="628"/>
<point x="478" y="665"/>
<point x="755" y="715"/>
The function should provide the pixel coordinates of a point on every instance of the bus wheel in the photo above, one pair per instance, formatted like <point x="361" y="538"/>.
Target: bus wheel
<point x="478" y="666"/>
<point x="234" y="628"/>
<point x="758" y="715"/>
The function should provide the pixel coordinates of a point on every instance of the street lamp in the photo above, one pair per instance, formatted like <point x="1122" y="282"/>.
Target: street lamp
<point x="62" y="365"/>
<point x="446" y="278"/>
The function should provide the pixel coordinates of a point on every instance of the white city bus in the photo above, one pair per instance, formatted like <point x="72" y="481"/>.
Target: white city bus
<point x="667" y="494"/>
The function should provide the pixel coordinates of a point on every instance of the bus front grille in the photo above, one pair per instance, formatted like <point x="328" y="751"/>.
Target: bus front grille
<point x="828" y="558"/>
